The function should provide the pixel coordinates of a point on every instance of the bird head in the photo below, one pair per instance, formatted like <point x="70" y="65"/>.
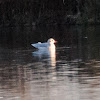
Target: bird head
<point x="51" y="41"/>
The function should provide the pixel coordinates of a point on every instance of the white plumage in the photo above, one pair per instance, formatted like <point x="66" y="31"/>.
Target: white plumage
<point x="49" y="44"/>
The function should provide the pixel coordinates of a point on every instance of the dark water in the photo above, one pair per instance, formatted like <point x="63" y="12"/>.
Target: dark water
<point x="70" y="73"/>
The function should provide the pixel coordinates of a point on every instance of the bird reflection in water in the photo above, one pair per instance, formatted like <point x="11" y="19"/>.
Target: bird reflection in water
<point x="48" y="54"/>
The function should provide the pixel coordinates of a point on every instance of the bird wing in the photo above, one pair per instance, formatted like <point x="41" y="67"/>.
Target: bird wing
<point x="39" y="45"/>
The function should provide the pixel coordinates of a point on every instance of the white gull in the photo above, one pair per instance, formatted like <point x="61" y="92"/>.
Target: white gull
<point x="47" y="45"/>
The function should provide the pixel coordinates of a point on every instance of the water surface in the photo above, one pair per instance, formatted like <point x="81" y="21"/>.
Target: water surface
<point x="72" y="72"/>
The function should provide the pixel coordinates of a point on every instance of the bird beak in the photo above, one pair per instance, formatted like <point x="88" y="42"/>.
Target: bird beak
<point x="55" y="41"/>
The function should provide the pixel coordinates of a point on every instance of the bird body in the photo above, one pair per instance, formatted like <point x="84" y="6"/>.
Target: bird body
<point x="47" y="45"/>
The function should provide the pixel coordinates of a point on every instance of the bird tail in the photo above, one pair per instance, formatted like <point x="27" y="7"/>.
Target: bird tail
<point x="33" y="45"/>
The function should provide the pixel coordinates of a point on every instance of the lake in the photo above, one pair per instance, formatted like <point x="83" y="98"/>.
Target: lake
<point x="72" y="72"/>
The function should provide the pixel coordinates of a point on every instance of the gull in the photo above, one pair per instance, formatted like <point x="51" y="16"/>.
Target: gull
<point x="47" y="45"/>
